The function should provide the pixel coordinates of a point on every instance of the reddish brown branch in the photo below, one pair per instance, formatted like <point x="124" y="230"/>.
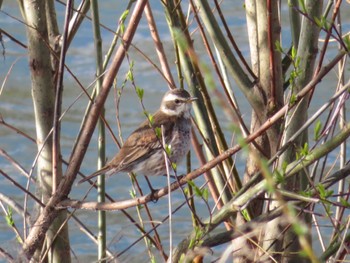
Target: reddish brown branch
<point x="13" y="38"/>
<point x="159" y="47"/>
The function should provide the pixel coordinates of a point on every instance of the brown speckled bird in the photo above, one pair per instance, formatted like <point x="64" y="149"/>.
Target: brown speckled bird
<point x="142" y="152"/>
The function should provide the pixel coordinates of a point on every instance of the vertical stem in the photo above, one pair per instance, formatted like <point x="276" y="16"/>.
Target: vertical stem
<point x="58" y="103"/>
<point x="101" y="134"/>
<point x="342" y="122"/>
<point x="159" y="46"/>
<point x="58" y="239"/>
<point x="170" y="214"/>
<point x="271" y="47"/>
<point x="250" y="7"/>
<point x="294" y="18"/>
<point x="43" y="93"/>
<point x="77" y="19"/>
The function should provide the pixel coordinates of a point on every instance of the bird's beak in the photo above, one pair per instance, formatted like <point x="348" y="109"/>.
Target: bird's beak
<point x="191" y="99"/>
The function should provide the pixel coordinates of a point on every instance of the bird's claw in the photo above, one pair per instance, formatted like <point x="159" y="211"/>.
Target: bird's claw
<point x="180" y="177"/>
<point x="154" y="199"/>
<point x="172" y="176"/>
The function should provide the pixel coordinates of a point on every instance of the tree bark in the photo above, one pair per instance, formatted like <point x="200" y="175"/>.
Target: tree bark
<point x="43" y="94"/>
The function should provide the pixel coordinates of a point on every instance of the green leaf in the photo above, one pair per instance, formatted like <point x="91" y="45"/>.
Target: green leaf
<point x="344" y="203"/>
<point x="284" y="166"/>
<point x="139" y="92"/>
<point x="329" y="193"/>
<point x="302" y="4"/>
<point x="325" y="23"/>
<point x="122" y="28"/>
<point x="305" y="149"/>
<point x="186" y="191"/>
<point x="278" y="46"/>
<point x="324" y="194"/>
<point x="174" y="165"/>
<point x="124" y="15"/>
<point x="293" y="53"/>
<point x="9" y="219"/>
<point x="122" y="20"/>
<point x="168" y="149"/>
<point x="293" y="99"/>
<point x="318" y="21"/>
<point x="150" y="117"/>
<point x="279" y="177"/>
<point x="245" y="214"/>
<point x="205" y="194"/>
<point x="132" y="193"/>
<point x="302" y="152"/>
<point x="158" y="131"/>
<point x="190" y="183"/>
<point x="346" y="40"/>
<point x="198" y="234"/>
<point x="119" y="92"/>
<point x="197" y="191"/>
<point x="321" y="190"/>
<point x="317" y="130"/>
<point x="130" y="75"/>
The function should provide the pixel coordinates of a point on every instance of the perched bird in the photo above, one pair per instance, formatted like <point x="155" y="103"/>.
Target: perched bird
<point x="142" y="152"/>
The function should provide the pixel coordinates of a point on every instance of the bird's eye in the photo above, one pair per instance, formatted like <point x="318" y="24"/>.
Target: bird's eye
<point x="177" y="101"/>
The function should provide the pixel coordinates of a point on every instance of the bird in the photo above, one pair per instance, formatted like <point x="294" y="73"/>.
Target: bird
<point x="143" y="151"/>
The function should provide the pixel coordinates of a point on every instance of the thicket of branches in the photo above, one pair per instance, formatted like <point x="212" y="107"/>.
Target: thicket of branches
<point x="297" y="163"/>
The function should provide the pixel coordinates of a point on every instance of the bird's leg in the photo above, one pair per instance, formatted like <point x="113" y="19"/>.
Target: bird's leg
<point x="153" y="198"/>
<point x="171" y="176"/>
<point x="175" y="177"/>
<point x="179" y="177"/>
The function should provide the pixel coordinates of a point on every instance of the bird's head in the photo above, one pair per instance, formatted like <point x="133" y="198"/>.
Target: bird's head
<point x="177" y="102"/>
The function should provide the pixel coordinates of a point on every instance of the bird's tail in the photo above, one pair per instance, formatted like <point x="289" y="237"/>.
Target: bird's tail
<point x="105" y="169"/>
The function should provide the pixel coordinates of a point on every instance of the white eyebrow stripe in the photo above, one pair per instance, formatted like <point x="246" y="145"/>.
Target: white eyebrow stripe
<point x="171" y="97"/>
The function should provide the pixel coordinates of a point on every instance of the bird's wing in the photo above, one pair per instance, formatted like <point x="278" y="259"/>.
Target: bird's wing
<point x="143" y="141"/>
<point x="105" y="169"/>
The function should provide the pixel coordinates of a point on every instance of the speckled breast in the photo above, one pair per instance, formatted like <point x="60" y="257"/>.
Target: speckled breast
<point x="181" y="140"/>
